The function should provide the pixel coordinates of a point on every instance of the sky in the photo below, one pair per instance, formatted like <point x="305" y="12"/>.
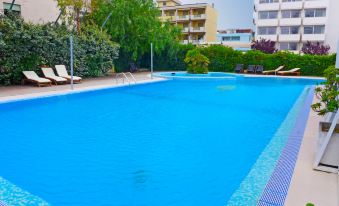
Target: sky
<point x="231" y="13"/>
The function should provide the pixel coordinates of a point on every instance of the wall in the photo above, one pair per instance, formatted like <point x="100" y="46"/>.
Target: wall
<point x="211" y="24"/>
<point x="36" y="11"/>
<point x="332" y="30"/>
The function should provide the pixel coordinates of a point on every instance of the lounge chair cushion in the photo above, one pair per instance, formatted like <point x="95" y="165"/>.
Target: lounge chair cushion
<point x="62" y="72"/>
<point x="33" y="76"/>
<point x="49" y="73"/>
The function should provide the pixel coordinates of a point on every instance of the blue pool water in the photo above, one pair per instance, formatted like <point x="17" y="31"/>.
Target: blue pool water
<point x="188" y="75"/>
<point x="171" y="143"/>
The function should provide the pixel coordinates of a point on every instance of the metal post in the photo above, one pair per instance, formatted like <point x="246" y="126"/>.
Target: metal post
<point x="12" y="4"/>
<point x="152" y="60"/>
<point x="71" y="52"/>
<point x="102" y="26"/>
<point x="337" y="62"/>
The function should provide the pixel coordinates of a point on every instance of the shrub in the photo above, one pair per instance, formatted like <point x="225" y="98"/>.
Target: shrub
<point x="196" y="62"/>
<point x="328" y="93"/>
<point x="266" y="46"/>
<point x="26" y="46"/>
<point x="315" y="48"/>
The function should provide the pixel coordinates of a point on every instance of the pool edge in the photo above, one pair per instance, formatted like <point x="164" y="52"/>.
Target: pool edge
<point x="276" y="189"/>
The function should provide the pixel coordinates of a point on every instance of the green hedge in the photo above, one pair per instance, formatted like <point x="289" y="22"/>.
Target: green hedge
<point x="25" y="46"/>
<point x="224" y="59"/>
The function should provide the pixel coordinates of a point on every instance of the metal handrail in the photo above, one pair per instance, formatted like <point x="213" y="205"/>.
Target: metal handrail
<point x="121" y="77"/>
<point x="135" y="81"/>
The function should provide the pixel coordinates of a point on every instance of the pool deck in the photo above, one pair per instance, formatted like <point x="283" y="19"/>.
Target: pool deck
<point x="307" y="185"/>
<point x="9" y="93"/>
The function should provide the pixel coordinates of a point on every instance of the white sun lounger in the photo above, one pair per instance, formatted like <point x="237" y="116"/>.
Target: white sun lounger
<point x="32" y="77"/>
<point x="294" y="71"/>
<point x="273" y="71"/>
<point x="62" y="72"/>
<point x="49" y="74"/>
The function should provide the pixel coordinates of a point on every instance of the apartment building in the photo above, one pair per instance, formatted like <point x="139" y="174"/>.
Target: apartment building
<point x="34" y="11"/>
<point x="238" y="39"/>
<point x="197" y="21"/>
<point x="291" y="23"/>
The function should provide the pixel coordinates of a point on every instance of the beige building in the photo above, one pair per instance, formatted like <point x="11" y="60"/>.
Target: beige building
<point x="197" y="21"/>
<point x="34" y="11"/>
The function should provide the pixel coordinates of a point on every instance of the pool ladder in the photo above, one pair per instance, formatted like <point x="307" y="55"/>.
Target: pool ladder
<point x="124" y="76"/>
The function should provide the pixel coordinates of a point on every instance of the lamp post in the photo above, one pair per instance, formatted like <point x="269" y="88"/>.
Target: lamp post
<point x="337" y="61"/>
<point x="152" y="60"/>
<point x="107" y="18"/>
<point x="71" y="60"/>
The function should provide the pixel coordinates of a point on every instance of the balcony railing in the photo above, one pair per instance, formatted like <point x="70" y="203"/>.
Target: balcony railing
<point x="185" y="29"/>
<point x="198" y="29"/>
<point x="185" y="17"/>
<point x="198" y="16"/>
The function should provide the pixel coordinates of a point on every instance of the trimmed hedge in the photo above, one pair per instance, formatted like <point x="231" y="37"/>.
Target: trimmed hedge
<point x="25" y="46"/>
<point x="224" y="59"/>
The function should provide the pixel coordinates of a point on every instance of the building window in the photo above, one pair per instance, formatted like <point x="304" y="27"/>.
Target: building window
<point x="289" y="30"/>
<point x="318" y="29"/>
<point x="164" y="3"/>
<point x="315" y="13"/>
<point x="290" y="14"/>
<point x="292" y="46"/>
<point x="15" y="9"/>
<point x="270" y="30"/>
<point x="268" y="14"/>
<point x="231" y="38"/>
<point x="268" y="1"/>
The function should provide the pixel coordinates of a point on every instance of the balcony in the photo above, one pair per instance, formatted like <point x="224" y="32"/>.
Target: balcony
<point x="183" y="18"/>
<point x="168" y="18"/>
<point x="267" y="22"/>
<point x="315" y="21"/>
<point x="290" y="21"/>
<point x="292" y="5"/>
<point x="198" y="16"/>
<point x="197" y="41"/>
<point x="316" y="4"/>
<point x="184" y="41"/>
<point x="267" y="37"/>
<point x="185" y="29"/>
<point x="267" y="7"/>
<point x="289" y="37"/>
<point x="197" y="29"/>
<point x="313" y="37"/>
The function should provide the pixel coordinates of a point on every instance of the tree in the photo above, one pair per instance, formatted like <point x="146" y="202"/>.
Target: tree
<point x="135" y="24"/>
<point x="72" y="10"/>
<point x="266" y="46"/>
<point x="315" y="48"/>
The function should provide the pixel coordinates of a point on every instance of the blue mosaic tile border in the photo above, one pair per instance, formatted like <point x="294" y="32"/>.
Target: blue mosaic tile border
<point x="2" y="204"/>
<point x="276" y="190"/>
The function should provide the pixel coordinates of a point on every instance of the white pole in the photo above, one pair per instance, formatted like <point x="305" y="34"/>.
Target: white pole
<point x="71" y="52"/>
<point x="152" y="60"/>
<point x="337" y="62"/>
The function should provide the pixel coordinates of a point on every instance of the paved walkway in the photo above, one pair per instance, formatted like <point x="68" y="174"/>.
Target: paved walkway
<point x="25" y="91"/>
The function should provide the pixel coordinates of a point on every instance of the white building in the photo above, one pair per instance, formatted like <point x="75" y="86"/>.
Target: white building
<point x="291" y="23"/>
<point x="34" y="11"/>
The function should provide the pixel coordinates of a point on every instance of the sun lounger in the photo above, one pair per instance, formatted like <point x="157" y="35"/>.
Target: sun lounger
<point x="295" y="71"/>
<point x="259" y="69"/>
<point x="273" y="71"/>
<point x="239" y="68"/>
<point x="62" y="72"/>
<point x="251" y="69"/>
<point x="32" y="77"/>
<point x="49" y="74"/>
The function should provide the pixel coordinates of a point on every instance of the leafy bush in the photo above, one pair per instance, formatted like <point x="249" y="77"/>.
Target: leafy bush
<point x="196" y="62"/>
<point x="26" y="46"/>
<point x="264" y="45"/>
<point x="315" y="48"/>
<point x="224" y="59"/>
<point x="328" y="93"/>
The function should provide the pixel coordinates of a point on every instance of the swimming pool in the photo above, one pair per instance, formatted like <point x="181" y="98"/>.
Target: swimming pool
<point x="176" y="142"/>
